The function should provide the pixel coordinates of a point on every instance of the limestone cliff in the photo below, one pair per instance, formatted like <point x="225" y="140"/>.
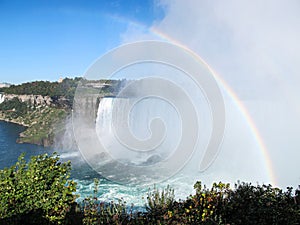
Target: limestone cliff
<point x="40" y="114"/>
<point x="32" y="99"/>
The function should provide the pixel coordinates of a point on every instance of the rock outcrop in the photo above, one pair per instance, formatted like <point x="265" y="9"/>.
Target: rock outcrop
<point x="31" y="99"/>
<point x="41" y="116"/>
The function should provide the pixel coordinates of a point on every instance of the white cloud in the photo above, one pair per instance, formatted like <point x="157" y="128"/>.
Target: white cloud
<point x="254" y="46"/>
<point x="243" y="40"/>
<point x="137" y="32"/>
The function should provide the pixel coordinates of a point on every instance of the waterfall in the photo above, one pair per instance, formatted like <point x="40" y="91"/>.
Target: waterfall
<point x="104" y="116"/>
<point x="2" y="98"/>
<point x="139" y="121"/>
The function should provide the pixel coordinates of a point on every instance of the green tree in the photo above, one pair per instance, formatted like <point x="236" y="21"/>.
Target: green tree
<point x="261" y="204"/>
<point x="15" y="107"/>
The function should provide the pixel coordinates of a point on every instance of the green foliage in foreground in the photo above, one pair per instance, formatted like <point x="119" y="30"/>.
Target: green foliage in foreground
<point x="246" y="205"/>
<point x="39" y="192"/>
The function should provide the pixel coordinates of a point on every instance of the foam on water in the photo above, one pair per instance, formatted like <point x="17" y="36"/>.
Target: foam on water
<point x="69" y="155"/>
<point x="109" y="191"/>
<point x="141" y="114"/>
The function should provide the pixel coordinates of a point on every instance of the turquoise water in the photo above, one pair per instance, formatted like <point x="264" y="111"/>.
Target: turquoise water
<point x="81" y="172"/>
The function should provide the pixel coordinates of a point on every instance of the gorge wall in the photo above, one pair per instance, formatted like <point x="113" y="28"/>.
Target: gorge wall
<point x="31" y="99"/>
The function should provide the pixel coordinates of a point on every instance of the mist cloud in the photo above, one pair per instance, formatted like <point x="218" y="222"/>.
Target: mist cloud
<point x="254" y="46"/>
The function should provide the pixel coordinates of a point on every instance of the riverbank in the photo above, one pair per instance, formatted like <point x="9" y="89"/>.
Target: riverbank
<point x="42" y="106"/>
<point x="4" y="118"/>
<point x="41" y="124"/>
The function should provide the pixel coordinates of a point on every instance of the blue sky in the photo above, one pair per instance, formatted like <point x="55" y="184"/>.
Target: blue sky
<point x="45" y="40"/>
<point x="252" y="45"/>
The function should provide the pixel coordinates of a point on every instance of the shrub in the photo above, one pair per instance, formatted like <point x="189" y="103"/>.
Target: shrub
<point x="38" y="191"/>
<point x="246" y="204"/>
<point x="159" y="204"/>
<point x="96" y="212"/>
<point x="160" y="201"/>
<point x="249" y="204"/>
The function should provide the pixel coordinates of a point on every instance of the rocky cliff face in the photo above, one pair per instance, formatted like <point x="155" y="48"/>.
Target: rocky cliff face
<point x="2" y="98"/>
<point x="32" y="99"/>
<point x="38" y="100"/>
<point x="40" y="120"/>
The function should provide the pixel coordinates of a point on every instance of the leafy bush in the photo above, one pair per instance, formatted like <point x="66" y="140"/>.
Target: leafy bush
<point x="96" y="212"/>
<point x="39" y="192"/>
<point x="159" y="203"/>
<point x="201" y="208"/>
<point x="36" y="191"/>
<point x="206" y="206"/>
<point x="246" y="204"/>
<point x="249" y="204"/>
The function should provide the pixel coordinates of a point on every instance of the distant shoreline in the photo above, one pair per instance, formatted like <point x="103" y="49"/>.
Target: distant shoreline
<point x="39" y="125"/>
<point x="12" y="121"/>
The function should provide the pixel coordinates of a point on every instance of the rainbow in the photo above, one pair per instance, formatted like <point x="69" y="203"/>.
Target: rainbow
<point x="250" y="122"/>
<point x="238" y="103"/>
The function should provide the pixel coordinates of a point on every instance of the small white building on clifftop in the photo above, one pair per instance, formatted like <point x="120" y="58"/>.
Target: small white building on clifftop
<point x="2" y="85"/>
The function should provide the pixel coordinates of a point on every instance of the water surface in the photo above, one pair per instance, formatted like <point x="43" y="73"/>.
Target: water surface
<point x="10" y="150"/>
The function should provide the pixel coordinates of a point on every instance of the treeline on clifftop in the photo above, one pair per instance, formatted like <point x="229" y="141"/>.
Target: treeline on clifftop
<point x="45" y="118"/>
<point x="40" y="192"/>
<point x="16" y="107"/>
<point x="41" y="120"/>
<point x="44" y="88"/>
<point x="66" y="88"/>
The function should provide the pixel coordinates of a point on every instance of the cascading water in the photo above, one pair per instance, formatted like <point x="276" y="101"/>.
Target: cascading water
<point x="140" y="116"/>
<point x="139" y="119"/>
<point x="2" y="98"/>
<point x="166" y="125"/>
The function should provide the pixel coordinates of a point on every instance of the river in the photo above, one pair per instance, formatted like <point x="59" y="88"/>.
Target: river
<point x="10" y="150"/>
<point x="81" y="172"/>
